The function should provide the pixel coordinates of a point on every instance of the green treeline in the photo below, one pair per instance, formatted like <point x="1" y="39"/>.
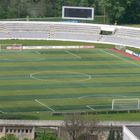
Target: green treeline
<point x="121" y="11"/>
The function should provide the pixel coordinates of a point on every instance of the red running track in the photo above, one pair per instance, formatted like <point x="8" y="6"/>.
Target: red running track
<point x="126" y="54"/>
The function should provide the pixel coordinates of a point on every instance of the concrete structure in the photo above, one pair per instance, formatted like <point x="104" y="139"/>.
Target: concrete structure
<point x="20" y="132"/>
<point x="26" y="128"/>
<point x="82" y="32"/>
<point x="131" y="133"/>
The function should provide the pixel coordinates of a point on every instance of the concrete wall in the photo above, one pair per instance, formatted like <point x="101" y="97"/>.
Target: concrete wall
<point x="20" y="132"/>
<point x="128" y="135"/>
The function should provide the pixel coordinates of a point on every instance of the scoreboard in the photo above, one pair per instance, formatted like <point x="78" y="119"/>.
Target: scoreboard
<point x="79" y="13"/>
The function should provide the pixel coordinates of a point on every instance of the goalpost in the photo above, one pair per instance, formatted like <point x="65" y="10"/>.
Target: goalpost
<point x="126" y="104"/>
<point x="11" y="47"/>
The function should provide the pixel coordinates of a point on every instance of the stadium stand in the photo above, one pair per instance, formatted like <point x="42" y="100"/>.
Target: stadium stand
<point x="131" y="32"/>
<point x="121" y="40"/>
<point x="29" y="35"/>
<point x="120" y="35"/>
<point x="76" y="37"/>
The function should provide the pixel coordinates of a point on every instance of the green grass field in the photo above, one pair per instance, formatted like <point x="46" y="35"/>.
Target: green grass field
<point x="41" y="82"/>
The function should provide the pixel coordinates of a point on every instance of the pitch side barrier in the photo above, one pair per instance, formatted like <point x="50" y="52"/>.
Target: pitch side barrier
<point x="81" y="32"/>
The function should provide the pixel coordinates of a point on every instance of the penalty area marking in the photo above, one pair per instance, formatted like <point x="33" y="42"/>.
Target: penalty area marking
<point x="75" y="55"/>
<point x="22" y="60"/>
<point x="37" y="52"/>
<point x="102" y="107"/>
<point x="88" y="77"/>
<point x="3" y="112"/>
<point x="87" y="96"/>
<point x="89" y="106"/>
<point x="44" y="105"/>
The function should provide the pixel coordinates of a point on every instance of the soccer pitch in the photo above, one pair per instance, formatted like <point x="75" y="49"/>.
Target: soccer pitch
<point x="49" y="81"/>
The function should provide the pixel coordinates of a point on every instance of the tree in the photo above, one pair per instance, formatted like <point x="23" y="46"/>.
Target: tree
<point x="13" y="9"/>
<point x="114" y="9"/>
<point x="9" y="137"/>
<point x="3" y="8"/>
<point x="45" y="136"/>
<point x="119" y="135"/>
<point x="25" y="139"/>
<point x="84" y="3"/>
<point x="114" y="134"/>
<point x="132" y="12"/>
<point x="75" y="126"/>
<point x="122" y="11"/>
<point x="111" y="135"/>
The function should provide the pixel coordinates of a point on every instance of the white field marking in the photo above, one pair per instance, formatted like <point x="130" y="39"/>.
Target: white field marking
<point x="120" y="58"/>
<point x="40" y="59"/>
<point x="103" y="106"/>
<point x="44" y="105"/>
<point x="5" y="59"/>
<point x="32" y="75"/>
<point x="86" y="96"/>
<point x="3" y="112"/>
<point x="88" y="106"/>
<point x="111" y="75"/>
<point x="37" y="52"/>
<point x="75" y="55"/>
<point x="53" y="99"/>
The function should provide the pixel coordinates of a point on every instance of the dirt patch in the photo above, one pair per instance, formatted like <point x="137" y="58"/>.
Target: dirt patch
<point x="126" y="54"/>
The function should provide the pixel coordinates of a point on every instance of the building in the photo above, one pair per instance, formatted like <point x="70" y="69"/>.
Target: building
<point x="131" y="132"/>
<point x="25" y="128"/>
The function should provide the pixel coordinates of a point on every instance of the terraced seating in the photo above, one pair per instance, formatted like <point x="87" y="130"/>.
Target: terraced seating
<point x="121" y="40"/>
<point x="76" y="37"/>
<point x="28" y="35"/>
<point x="24" y="26"/>
<point x="76" y="28"/>
<point x="69" y="31"/>
<point x="75" y="32"/>
<point x="125" y="32"/>
<point x="46" y="30"/>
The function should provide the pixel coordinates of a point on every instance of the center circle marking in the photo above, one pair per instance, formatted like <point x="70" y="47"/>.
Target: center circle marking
<point x="64" y="76"/>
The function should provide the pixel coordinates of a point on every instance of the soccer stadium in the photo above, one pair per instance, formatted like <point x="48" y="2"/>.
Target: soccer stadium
<point x="68" y="78"/>
<point x="49" y="69"/>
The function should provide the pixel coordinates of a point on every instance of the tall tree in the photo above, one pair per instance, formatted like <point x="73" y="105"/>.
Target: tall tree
<point x="132" y="12"/>
<point x="75" y="126"/>
<point x="84" y="3"/>
<point x="122" y="11"/>
<point x="114" y="9"/>
<point x="13" y="9"/>
<point x="3" y="8"/>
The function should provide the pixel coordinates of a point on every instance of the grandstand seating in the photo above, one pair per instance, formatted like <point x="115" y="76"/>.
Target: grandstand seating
<point x="125" y="32"/>
<point x="121" y="40"/>
<point x="28" y="35"/>
<point x="76" y="37"/>
<point x="69" y="31"/>
<point x="76" y="28"/>
<point x="24" y="26"/>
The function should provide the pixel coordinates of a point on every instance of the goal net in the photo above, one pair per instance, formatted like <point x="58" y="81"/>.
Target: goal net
<point x="125" y="104"/>
<point x="11" y="47"/>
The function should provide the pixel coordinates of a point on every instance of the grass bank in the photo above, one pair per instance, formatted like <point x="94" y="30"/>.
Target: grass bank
<point x="52" y="43"/>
